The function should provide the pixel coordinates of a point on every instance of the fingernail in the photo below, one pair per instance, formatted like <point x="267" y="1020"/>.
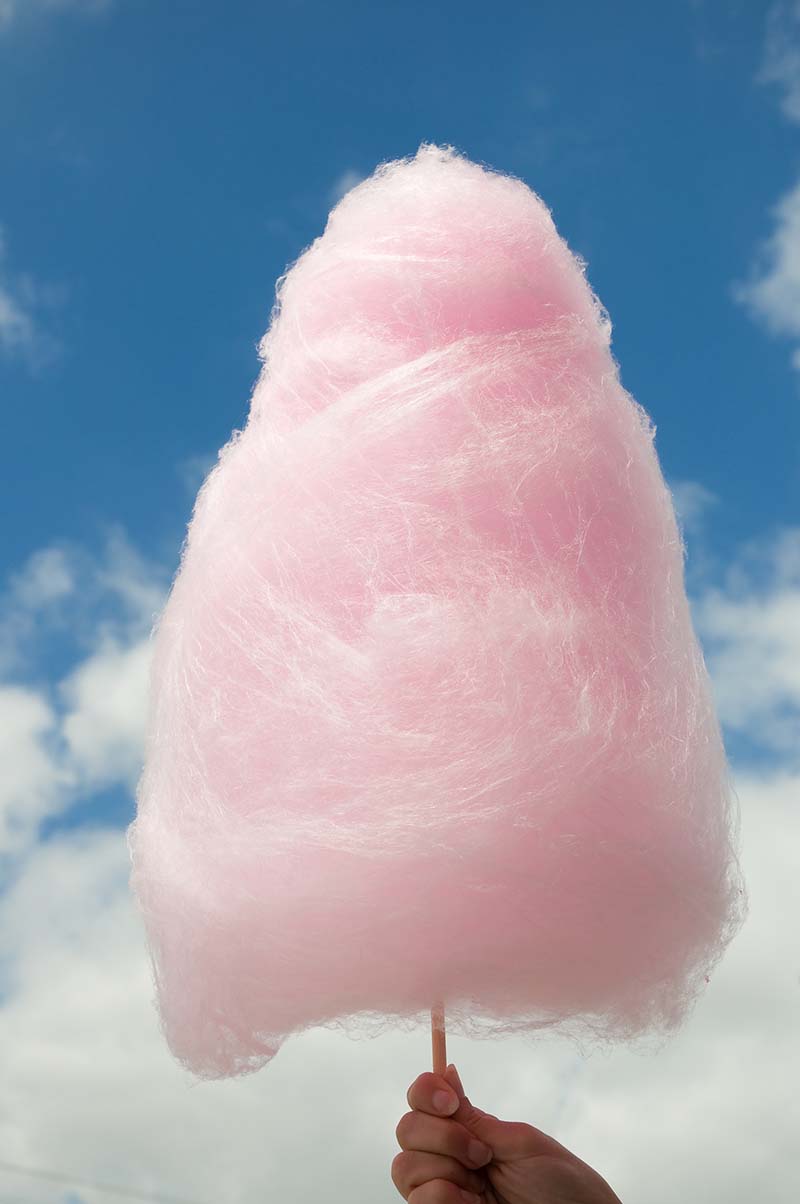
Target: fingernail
<point x="479" y="1153"/>
<point x="445" y="1102"/>
<point x="470" y="1198"/>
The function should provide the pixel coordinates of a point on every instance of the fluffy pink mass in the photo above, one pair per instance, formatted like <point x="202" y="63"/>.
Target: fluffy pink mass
<point x="428" y="716"/>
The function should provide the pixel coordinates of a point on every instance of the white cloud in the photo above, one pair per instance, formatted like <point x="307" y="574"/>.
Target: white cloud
<point x="46" y="577"/>
<point x="33" y="782"/>
<point x="347" y="180"/>
<point x="781" y="64"/>
<point x="193" y="470"/>
<point x="34" y="594"/>
<point x="751" y="633"/>
<point x="683" y="1114"/>
<point x="84" y="731"/>
<point x="89" y="599"/>
<point x="89" y="1088"/>
<point x="10" y="9"/>
<point x="22" y="299"/>
<point x="137" y="585"/>
<point x="106" y="697"/>
<point x="17" y="327"/>
<point x="692" y="503"/>
<point x="772" y="292"/>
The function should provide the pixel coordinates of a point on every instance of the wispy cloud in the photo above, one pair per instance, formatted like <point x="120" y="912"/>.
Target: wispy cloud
<point x="63" y="589"/>
<point x="193" y="470"/>
<point x="64" y="738"/>
<point x="17" y="327"/>
<point x="343" y="183"/>
<point x="33" y="595"/>
<point x="47" y="577"/>
<point x="695" y="505"/>
<point x="751" y="631"/>
<point x="772" y="291"/>
<point x="34" y="782"/>
<point x="105" y="699"/>
<point x="693" y="501"/>
<point x="781" y="65"/>
<point x="22" y="299"/>
<point x="10" y="9"/>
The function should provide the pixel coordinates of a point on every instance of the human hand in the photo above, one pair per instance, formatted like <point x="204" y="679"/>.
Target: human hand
<point x="452" y="1153"/>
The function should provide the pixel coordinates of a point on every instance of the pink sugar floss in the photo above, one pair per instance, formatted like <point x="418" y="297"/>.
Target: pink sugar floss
<point x="428" y="717"/>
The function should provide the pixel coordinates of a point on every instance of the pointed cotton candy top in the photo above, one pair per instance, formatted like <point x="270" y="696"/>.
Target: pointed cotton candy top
<point x="428" y="717"/>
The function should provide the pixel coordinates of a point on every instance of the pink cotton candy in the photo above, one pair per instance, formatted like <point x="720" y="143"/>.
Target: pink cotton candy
<point x="428" y="716"/>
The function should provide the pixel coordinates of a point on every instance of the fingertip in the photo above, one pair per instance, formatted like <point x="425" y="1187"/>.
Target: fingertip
<point x="432" y="1093"/>
<point x="454" y="1079"/>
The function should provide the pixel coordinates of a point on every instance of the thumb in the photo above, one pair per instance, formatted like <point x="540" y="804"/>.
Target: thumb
<point x="488" y="1128"/>
<point x="507" y="1140"/>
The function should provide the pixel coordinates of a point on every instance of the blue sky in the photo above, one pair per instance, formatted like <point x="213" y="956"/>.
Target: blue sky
<point x="160" y="166"/>
<point x="162" y="163"/>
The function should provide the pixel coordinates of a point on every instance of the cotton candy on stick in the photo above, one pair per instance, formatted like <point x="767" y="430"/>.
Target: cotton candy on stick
<point x="428" y="719"/>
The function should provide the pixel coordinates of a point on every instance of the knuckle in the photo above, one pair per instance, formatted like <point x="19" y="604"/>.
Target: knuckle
<point x="526" y="1140"/>
<point x="405" y="1127"/>
<point x="458" y="1142"/>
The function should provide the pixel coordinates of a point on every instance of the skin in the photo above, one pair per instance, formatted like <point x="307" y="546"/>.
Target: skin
<point x="453" y="1153"/>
